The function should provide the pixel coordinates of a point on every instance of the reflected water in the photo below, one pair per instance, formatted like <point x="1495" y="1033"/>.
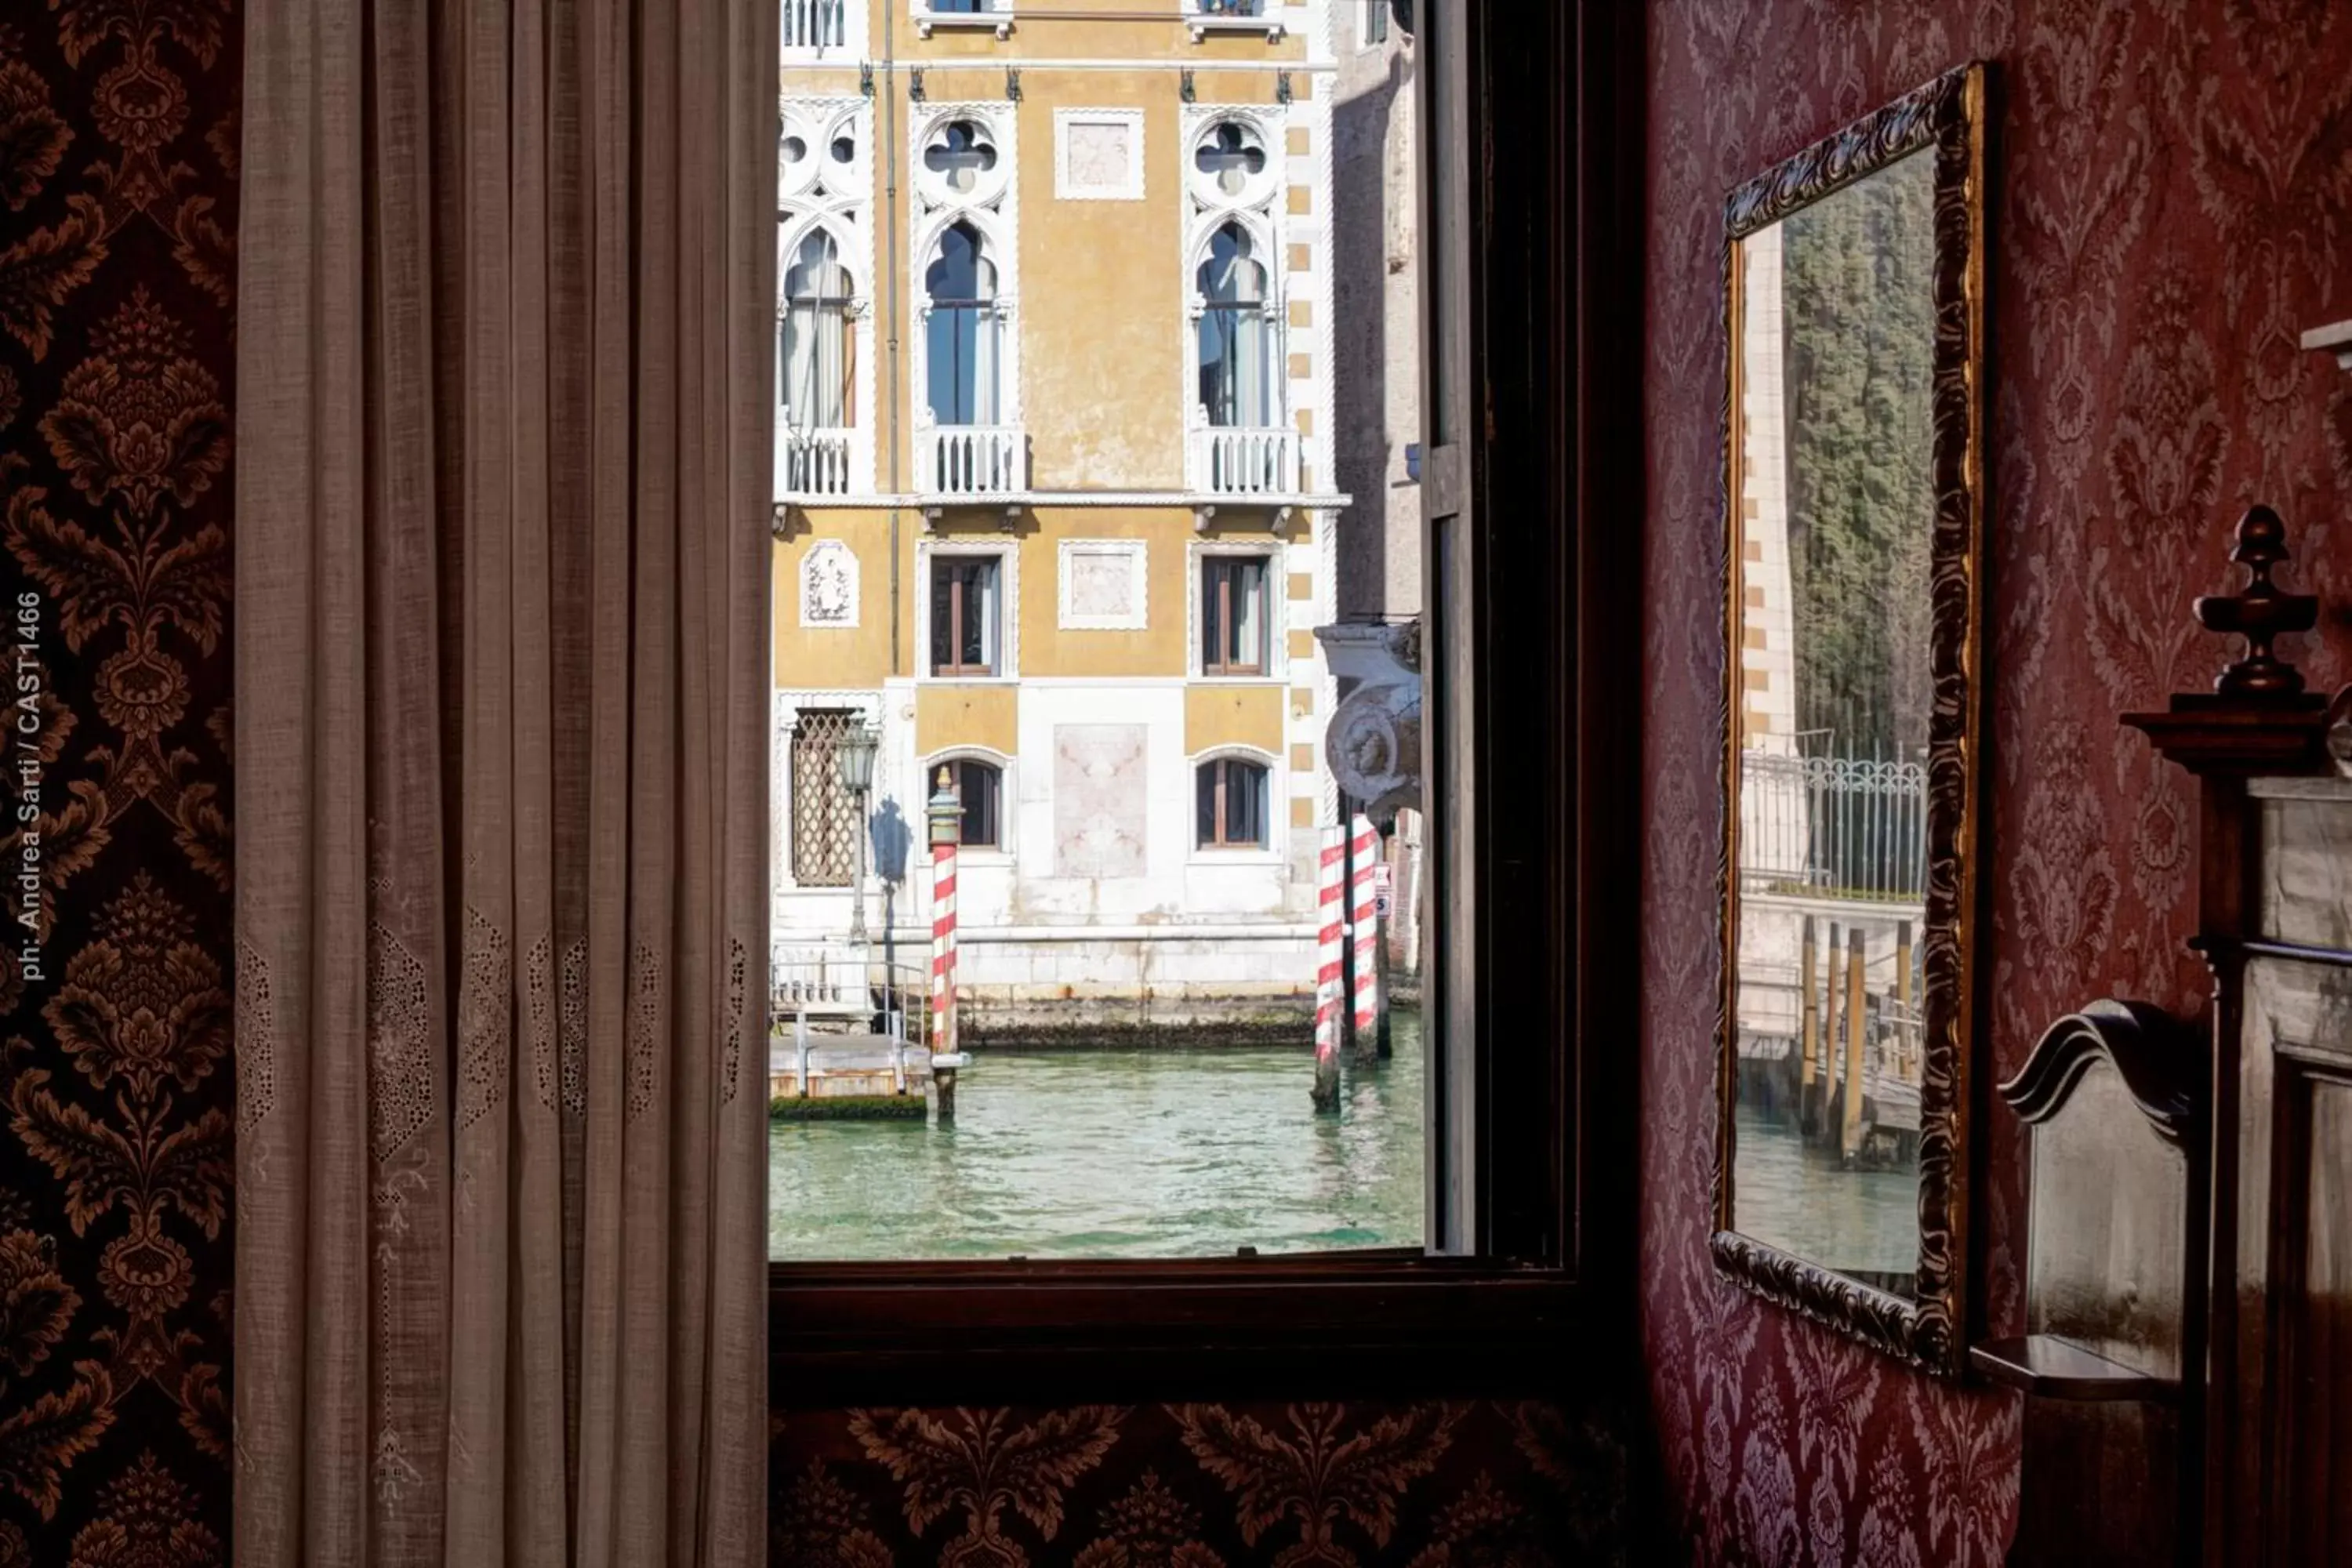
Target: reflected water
<point x="1863" y="1223"/>
<point x="1164" y="1153"/>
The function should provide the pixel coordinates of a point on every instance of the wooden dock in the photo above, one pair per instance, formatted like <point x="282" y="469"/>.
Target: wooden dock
<point x="836" y="1065"/>
<point x="849" y="1038"/>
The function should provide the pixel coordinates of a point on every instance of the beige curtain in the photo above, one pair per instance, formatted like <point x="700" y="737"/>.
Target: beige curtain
<point x="505" y="367"/>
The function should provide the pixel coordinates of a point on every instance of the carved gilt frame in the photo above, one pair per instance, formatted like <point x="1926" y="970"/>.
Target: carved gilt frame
<point x="1947" y="119"/>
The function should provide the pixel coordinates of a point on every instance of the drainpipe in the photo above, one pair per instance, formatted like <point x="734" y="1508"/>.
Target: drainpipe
<point x="889" y="117"/>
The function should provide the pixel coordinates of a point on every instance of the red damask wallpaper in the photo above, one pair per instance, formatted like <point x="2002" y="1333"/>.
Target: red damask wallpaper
<point x="1426" y="1485"/>
<point x="118" y="198"/>
<point x="2171" y="189"/>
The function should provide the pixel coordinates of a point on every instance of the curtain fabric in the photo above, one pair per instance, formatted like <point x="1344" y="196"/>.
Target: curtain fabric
<point x="505" y="399"/>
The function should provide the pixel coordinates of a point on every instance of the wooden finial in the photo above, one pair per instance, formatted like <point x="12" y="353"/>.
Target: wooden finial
<point x="2259" y="612"/>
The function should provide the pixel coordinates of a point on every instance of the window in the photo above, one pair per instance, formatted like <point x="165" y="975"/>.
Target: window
<point x="965" y="330"/>
<point x="1236" y="361"/>
<point x="1230" y="804"/>
<point x="1075" y="1222"/>
<point x="824" y="812"/>
<point x="817" y="375"/>
<point x="1374" y="28"/>
<point x="979" y="789"/>
<point x="1230" y="8"/>
<point x="1235" y="615"/>
<point x="964" y="614"/>
<point x="814" y="24"/>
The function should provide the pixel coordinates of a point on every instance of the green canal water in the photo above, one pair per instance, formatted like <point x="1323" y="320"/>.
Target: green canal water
<point x="1166" y="1153"/>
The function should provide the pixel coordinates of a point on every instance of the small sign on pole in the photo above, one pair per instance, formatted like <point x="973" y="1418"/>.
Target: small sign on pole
<point x="1384" y="888"/>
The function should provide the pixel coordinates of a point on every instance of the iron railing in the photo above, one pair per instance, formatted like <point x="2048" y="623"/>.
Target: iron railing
<point x="844" y="990"/>
<point x="1849" y="827"/>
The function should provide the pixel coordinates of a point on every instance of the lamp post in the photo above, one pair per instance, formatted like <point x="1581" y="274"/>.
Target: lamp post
<point x="855" y="758"/>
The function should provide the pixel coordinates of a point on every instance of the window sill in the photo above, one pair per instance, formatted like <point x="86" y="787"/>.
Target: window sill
<point x="1376" y="1323"/>
<point x="1237" y="860"/>
<point x="997" y="22"/>
<point x="1203" y="26"/>
<point x="967" y="681"/>
<point x="1278" y="679"/>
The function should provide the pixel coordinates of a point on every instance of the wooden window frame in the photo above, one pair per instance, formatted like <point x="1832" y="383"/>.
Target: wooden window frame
<point x="1532" y="684"/>
<point x="996" y="803"/>
<point x="1220" y="817"/>
<point x="1217" y="573"/>
<point x="947" y="564"/>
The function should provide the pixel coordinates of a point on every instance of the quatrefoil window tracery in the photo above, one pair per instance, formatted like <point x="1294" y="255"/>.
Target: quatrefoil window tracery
<point x="963" y="158"/>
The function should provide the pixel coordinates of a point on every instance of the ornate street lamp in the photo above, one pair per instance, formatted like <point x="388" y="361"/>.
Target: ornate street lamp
<point x="855" y="757"/>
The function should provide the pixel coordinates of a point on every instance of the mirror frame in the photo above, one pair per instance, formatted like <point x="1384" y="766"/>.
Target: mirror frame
<point x="1946" y="117"/>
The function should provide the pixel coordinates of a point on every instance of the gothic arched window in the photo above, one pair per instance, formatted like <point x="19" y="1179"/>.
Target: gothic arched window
<point x="1235" y="347"/>
<point x="964" y="346"/>
<point x="818" y="370"/>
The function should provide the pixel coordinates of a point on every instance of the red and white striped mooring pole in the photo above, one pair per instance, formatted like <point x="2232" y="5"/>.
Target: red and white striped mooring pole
<point x="1364" y="854"/>
<point x="946" y="814"/>
<point x="1328" y="968"/>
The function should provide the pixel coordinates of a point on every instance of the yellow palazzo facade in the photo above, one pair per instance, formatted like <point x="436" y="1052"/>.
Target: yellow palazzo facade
<point x="1054" y="504"/>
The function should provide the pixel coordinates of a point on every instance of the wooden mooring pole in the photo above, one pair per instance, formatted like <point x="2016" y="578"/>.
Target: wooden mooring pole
<point x="1808" y="1045"/>
<point x="1833" y="999"/>
<point x="1908" y="1033"/>
<point x="1850" y="1132"/>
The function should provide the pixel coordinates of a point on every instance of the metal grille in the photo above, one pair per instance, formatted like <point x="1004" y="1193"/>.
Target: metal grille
<point x="824" y="814"/>
<point x="1850" y="827"/>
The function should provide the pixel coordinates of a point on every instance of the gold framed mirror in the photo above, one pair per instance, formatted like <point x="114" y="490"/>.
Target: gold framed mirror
<point x="1854" y="458"/>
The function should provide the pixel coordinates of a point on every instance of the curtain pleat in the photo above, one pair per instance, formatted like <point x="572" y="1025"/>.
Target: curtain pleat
<point x="506" y="387"/>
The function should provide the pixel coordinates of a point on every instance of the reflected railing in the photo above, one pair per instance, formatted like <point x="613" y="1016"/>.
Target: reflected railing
<point x="1839" y="826"/>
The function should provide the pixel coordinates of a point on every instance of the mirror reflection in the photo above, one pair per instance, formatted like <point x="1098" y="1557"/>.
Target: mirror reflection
<point x="1833" y="475"/>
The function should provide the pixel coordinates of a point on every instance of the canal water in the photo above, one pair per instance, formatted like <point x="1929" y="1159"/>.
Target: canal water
<point x="1163" y="1152"/>
<point x="1797" y="1199"/>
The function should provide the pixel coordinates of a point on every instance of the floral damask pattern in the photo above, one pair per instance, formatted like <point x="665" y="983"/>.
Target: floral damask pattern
<point x="2172" y="188"/>
<point x="117" y="141"/>
<point x="1426" y="1485"/>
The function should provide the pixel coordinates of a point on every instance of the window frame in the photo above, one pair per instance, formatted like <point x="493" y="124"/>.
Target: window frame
<point x="1216" y="571"/>
<point x="936" y="562"/>
<point x="995" y="843"/>
<point x="1535" y="317"/>
<point x="1221" y="845"/>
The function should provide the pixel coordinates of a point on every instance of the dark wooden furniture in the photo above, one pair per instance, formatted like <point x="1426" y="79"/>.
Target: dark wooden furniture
<point x="2114" y="1104"/>
<point x="2263" y="1413"/>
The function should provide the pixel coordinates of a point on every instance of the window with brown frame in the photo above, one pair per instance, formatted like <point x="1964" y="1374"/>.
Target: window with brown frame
<point x="979" y="789"/>
<point x="1230" y="800"/>
<point x="1235" y="614"/>
<point x="1528" y="248"/>
<point x="966" y="621"/>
